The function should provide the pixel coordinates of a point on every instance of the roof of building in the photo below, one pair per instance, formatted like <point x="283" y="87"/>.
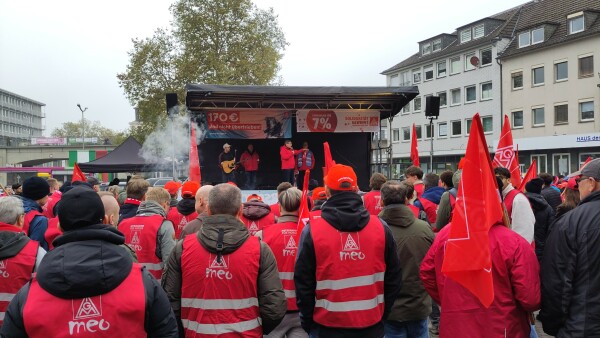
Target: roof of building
<point x="553" y="12"/>
<point x="504" y="30"/>
<point x="21" y="97"/>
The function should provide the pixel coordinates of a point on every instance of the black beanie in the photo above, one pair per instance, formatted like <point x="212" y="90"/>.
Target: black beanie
<point x="80" y="207"/>
<point x="35" y="188"/>
<point x="534" y="186"/>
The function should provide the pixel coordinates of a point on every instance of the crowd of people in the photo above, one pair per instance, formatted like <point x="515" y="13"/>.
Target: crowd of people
<point x="198" y="261"/>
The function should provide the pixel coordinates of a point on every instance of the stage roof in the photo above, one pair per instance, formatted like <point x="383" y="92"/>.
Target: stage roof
<point x="388" y="100"/>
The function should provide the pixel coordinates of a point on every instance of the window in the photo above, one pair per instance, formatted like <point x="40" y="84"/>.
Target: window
<point x="470" y="94"/>
<point x="437" y="45"/>
<point x="394" y="80"/>
<point x="537" y="76"/>
<point x="576" y="24"/>
<point x="517" y="119"/>
<point x="442" y="129"/>
<point x="456" y="128"/>
<point x="561" y="114"/>
<point x="561" y="164"/>
<point x="404" y="79"/>
<point x="486" y="91"/>
<point x="486" y="57"/>
<point x="426" y="48"/>
<point x="443" y="99"/>
<point x="538" y="116"/>
<point x="416" y="75"/>
<point x="488" y="124"/>
<point x="478" y="31"/>
<point x="395" y="135"/>
<point x="524" y="39"/>
<point x="586" y="111"/>
<point x="517" y="80"/>
<point x="541" y="160"/>
<point x="417" y="102"/>
<point x="406" y="134"/>
<point x="428" y="70"/>
<point x="537" y="35"/>
<point x="465" y="35"/>
<point x="455" y="65"/>
<point x="419" y="133"/>
<point x="468" y="65"/>
<point x="586" y="66"/>
<point x="406" y="109"/>
<point x="455" y="96"/>
<point x="429" y="131"/>
<point x="441" y="69"/>
<point x="561" y="71"/>
<point x="468" y="123"/>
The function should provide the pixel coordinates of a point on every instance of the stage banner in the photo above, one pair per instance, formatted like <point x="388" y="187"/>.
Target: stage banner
<point x="247" y="124"/>
<point x="337" y="121"/>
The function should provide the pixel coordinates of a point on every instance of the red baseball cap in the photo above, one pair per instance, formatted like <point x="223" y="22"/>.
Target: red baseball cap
<point x="319" y="194"/>
<point x="254" y="197"/>
<point x="189" y="189"/>
<point x="339" y="174"/>
<point x="172" y="187"/>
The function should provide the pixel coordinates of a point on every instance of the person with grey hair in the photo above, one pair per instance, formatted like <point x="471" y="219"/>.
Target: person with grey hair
<point x="201" y="207"/>
<point x="19" y="255"/>
<point x="222" y="267"/>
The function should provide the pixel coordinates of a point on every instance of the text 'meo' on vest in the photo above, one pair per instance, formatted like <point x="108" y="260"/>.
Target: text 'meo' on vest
<point x="141" y="233"/>
<point x="226" y="302"/>
<point x="350" y="274"/>
<point x="14" y="273"/>
<point x="281" y="238"/>
<point x="118" y="313"/>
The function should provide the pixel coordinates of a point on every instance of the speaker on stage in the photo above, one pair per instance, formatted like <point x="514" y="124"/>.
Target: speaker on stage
<point x="172" y="101"/>
<point x="432" y="106"/>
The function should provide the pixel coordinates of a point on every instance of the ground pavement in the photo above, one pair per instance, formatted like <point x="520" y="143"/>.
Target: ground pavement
<point x="538" y="328"/>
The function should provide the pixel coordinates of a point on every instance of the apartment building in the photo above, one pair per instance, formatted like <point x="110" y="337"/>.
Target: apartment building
<point x="551" y="84"/>
<point x="20" y="119"/>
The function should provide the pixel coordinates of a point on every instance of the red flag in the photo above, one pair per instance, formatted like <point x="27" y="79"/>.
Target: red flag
<point x="329" y="162"/>
<point x="505" y="154"/>
<point x="588" y="160"/>
<point x="531" y="174"/>
<point x="194" y="172"/>
<point x="467" y="260"/>
<point x="77" y="174"/>
<point x="304" y="213"/>
<point x="414" y="149"/>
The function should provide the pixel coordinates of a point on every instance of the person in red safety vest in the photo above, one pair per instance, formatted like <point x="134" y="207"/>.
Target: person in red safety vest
<point x="19" y="255"/>
<point x="53" y="199"/>
<point x="201" y="208"/>
<point x="347" y="274"/>
<point x="429" y="200"/>
<point x="185" y="211"/>
<point x="250" y="160"/>
<point x="283" y="186"/>
<point x="256" y="214"/>
<point x="222" y="281"/>
<point x="447" y="201"/>
<point x="517" y="206"/>
<point x="88" y="285"/>
<point x="319" y="197"/>
<point x="136" y="190"/>
<point x="35" y="196"/>
<point x="414" y="175"/>
<point x="288" y="161"/>
<point x="173" y="188"/>
<point x="372" y="198"/>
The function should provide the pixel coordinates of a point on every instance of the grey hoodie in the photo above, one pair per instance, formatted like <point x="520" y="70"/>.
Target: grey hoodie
<point x="165" y="241"/>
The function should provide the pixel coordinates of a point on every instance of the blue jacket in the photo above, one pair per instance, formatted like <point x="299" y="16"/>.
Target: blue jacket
<point x="39" y="224"/>
<point x="432" y="194"/>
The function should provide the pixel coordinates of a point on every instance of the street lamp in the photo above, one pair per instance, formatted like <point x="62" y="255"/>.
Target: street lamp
<point x="82" y="126"/>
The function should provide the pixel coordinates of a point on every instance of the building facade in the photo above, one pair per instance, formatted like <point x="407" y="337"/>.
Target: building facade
<point x="20" y="119"/>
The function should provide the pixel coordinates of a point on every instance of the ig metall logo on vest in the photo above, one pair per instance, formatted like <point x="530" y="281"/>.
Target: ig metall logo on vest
<point x="289" y="242"/>
<point x="87" y="316"/>
<point x="350" y="242"/>
<point x="218" y="269"/>
<point x="136" y="233"/>
<point x="3" y="272"/>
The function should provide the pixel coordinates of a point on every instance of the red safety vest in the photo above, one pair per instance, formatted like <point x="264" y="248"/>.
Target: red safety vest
<point x="281" y="238"/>
<point x="49" y="206"/>
<point x="508" y="202"/>
<point x="315" y="214"/>
<point x="430" y="209"/>
<point x="141" y="233"/>
<point x="225" y="302"/>
<point x="118" y="313"/>
<point x="350" y="274"/>
<point x="179" y="220"/>
<point x="29" y="218"/>
<point x="16" y="272"/>
<point x="419" y="188"/>
<point x="414" y="209"/>
<point x="52" y="232"/>
<point x="275" y="210"/>
<point x="371" y="200"/>
<point x="256" y="225"/>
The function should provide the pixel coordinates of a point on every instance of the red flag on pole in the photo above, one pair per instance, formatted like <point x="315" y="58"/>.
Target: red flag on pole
<point x="77" y="174"/>
<point x="505" y="154"/>
<point x="194" y="172"/>
<point x="588" y="160"/>
<point x="467" y="260"/>
<point x="414" y="149"/>
<point x="531" y="174"/>
<point x="329" y="162"/>
<point x="304" y="213"/>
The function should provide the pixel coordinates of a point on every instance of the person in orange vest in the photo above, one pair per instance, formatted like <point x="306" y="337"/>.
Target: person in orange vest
<point x="88" y="285"/>
<point x="429" y="200"/>
<point x="283" y="186"/>
<point x="149" y="233"/>
<point x="372" y="198"/>
<point x="201" y="208"/>
<point x="256" y="214"/>
<point x="185" y="211"/>
<point x="347" y="274"/>
<point x="34" y="197"/>
<point x="19" y="255"/>
<point x="414" y="175"/>
<point x="281" y="238"/>
<point x="222" y="280"/>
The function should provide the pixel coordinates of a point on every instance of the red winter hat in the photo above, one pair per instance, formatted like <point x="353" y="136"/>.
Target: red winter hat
<point x="339" y="174"/>
<point x="189" y="189"/>
<point x="172" y="187"/>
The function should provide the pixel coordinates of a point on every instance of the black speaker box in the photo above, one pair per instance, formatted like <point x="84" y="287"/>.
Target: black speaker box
<point x="432" y="106"/>
<point x="172" y="101"/>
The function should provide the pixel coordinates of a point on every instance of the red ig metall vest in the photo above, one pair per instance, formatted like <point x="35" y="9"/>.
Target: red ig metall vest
<point x="16" y="272"/>
<point x="225" y="302"/>
<point x="179" y="220"/>
<point x="52" y="232"/>
<point x="281" y="238"/>
<point x="141" y="233"/>
<point x="314" y="214"/>
<point x="256" y="225"/>
<point x="508" y="202"/>
<point x="430" y="209"/>
<point x="350" y="274"/>
<point x="371" y="200"/>
<point x="118" y="313"/>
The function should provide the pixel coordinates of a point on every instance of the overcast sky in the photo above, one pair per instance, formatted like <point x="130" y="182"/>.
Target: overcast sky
<point x="66" y="52"/>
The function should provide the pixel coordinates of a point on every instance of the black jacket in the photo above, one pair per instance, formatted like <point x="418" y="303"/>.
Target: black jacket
<point x="186" y="206"/>
<point x="544" y="216"/>
<point x="127" y="211"/>
<point x="345" y="212"/>
<point x="569" y="273"/>
<point x="88" y="262"/>
<point x="552" y="196"/>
